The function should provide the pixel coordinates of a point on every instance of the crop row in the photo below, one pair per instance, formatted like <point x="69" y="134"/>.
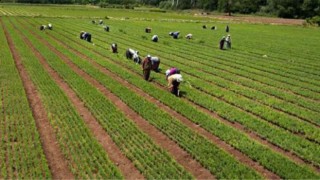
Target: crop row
<point x="217" y="71"/>
<point x="270" y="101"/>
<point x="239" y="57"/>
<point x="288" y="122"/>
<point x="217" y="161"/>
<point x="21" y="154"/>
<point x="184" y="108"/>
<point x="275" y="135"/>
<point x="152" y="161"/>
<point x="76" y="141"/>
<point x="232" y="56"/>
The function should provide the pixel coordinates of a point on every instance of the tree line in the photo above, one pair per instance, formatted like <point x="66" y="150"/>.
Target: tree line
<point x="280" y="8"/>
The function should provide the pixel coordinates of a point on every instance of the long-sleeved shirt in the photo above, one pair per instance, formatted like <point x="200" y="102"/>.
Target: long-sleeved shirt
<point x="174" y="77"/>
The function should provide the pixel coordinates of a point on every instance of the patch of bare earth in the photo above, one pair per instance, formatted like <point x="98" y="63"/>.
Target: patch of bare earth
<point x="57" y="163"/>
<point x="124" y="164"/>
<point x="181" y="156"/>
<point x="237" y="154"/>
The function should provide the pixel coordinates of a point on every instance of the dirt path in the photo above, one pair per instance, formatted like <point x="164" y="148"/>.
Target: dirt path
<point x="240" y="127"/>
<point x="237" y="154"/>
<point x="124" y="164"/>
<point x="181" y="156"/>
<point x="57" y="163"/>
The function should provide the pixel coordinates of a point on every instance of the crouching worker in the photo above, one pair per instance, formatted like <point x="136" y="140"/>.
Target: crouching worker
<point x="189" y="36"/>
<point x="173" y="84"/>
<point x="146" y="67"/>
<point x="154" y="38"/>
<point x="43" y="27"/>
<point x="175" y="35"/>
<point x="85" y="36"/>
<point x="148" y="30"/>
<point x="114" y="48"/>
<point x="222" y="41"/>
<point x="106" y="28"/>
<point x="132" y="54"/>
<point x="228" y="40"/>
<point x="172" y="71"/>
<point x="100" y="22"/>
<point x="155" y="62"/>
<point x="50" y="26"/>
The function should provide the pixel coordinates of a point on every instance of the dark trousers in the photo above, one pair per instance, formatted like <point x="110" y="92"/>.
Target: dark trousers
<point x="221" y="44"/>
<point x="146" y="74"/>
<point x="175" y="88"/>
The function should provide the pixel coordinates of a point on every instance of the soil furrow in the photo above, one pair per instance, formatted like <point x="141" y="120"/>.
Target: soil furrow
<point x="237" y="154"/>
<point x="236" y="125"/>
<point x="124" y="164"/>
<point x="57" y="163"/>
<point x="181" y="156"/>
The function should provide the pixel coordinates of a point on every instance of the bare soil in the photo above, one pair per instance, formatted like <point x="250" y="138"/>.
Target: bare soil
<point x="177" y="153"/>
<point x="237" y="154"/>
<point x="57" y="163"/>
<point x="124" y="164"/>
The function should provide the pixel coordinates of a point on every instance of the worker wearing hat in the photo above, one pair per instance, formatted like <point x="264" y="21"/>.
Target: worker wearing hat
<point x="146" y="67"/>
<point x="174" y="82"/>
<point x="228" y="40"/>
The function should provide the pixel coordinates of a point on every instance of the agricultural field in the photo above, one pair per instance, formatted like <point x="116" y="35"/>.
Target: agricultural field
<point x="73" y="109"/>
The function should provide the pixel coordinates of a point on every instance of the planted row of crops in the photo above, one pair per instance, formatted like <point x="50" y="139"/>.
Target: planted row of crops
<point x="21" y="154"/>
<point x="217" y="161"/>
<point x="275" y="135"/>
<point x="125" y="74"/>
<point x="76" y="141"/>
<point x="278" y="118"/>
<point x="221" y="70"/>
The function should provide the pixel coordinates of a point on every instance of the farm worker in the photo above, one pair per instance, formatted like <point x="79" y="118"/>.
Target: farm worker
<point x="227" y="28"/>
<point x="148" y="30"/>
<point x="155" y="62"/>
<point x="204" y="27"/>
<point x="213" y="28"/>
<point x="85" y="36"/>
<point x="228" y="40"/>
<point x="174" y="34"/>
<point x="189" y="36"/>
<point x="222" y="41"/>
<point x="106" y="28"/>
<point x="114" y="47"/>
<point x="100" y="21"/>
<point x="146" y="67"/>
<point x="172" y="71"/>
<point x="50" y="26"/>
<point x="132" y="54"/>
<point x="93" y="21"/>
<point x="174" y="82"/>
<point x="43" y="27"/>
<point x="154" y="38"/>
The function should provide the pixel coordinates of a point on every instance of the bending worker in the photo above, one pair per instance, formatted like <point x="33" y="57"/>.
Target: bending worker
<point x="85" y="36"/>
<point x="173" y="83"/>
<point x="132" y="54"/>
<point x="146" y="67"/>
<point x="155" y="62"/>
<point x="172" y="71"/>
<point x="114" y="47"/>
<point x="154" y="38"/>
<point x="228" y="40"/>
